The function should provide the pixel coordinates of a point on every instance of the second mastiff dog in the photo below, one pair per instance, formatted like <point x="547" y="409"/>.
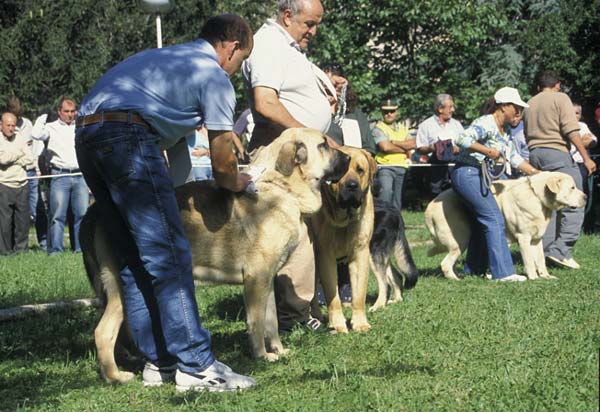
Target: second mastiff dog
<point x="342" y="232"/>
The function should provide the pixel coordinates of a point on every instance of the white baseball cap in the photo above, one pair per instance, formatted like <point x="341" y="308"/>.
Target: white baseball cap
<point x="509" y="95"/>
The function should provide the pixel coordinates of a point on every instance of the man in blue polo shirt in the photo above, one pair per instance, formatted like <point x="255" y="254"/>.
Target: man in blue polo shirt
<point x="139" y="107"/>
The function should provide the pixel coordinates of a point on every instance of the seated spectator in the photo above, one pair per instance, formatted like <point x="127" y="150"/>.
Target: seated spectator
<point x="15" y="159"/>
<point x="488" y="138"/>
<point x="200" y="154"/>
<point x="350" y="125"/>
<point x="393" y="147"/>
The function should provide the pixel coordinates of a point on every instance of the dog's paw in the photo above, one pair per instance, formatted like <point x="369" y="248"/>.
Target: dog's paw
<point x="361" y="327"/>
<point x="338" y="328"/>
<point x="376" y="307"/>
<point x="548" y="276"/>
<point x="119" y="377"/>
<point x="271" y="357"/>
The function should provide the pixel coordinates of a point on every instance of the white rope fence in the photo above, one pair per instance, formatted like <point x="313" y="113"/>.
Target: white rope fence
<point x="241" y="167"/>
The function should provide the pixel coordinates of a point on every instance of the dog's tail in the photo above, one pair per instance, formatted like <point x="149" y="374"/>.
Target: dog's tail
<point x="87" y="233"/>
<point x="404" y="258"/>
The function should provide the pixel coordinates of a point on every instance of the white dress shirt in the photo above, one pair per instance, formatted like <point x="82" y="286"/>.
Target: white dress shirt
<point x="431" y="130"/>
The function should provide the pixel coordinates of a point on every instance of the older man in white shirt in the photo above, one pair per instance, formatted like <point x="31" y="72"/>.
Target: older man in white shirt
<point x="287" y="90"/>
<point x="71" y="188"/>
<point x="439" y="127"/>
<point x="15" y="158"/>
<point x="24" y="129"/>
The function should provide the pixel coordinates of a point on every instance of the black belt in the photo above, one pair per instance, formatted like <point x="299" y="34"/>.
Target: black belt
<point x="117" y="117"/>
<point x="60" y="169"/>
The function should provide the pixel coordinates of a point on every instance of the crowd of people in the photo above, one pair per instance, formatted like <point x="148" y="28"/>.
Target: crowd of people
<point x="113" y="148"/>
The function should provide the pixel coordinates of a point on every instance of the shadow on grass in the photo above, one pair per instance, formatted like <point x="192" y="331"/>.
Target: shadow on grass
<point x="230" y="308"/>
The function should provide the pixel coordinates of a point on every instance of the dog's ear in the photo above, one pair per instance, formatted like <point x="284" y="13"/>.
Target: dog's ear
<point x="553" y="184"/>
<point x="290" y="155"/>
<point x="372" y="165"/>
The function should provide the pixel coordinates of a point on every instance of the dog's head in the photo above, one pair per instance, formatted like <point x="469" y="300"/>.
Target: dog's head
<point x="302" y="159"/>
<point x="559" y="190"/>
<point x="351" y="189"/>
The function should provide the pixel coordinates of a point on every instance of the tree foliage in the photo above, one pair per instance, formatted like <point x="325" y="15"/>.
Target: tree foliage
<point x="407" y="49"/>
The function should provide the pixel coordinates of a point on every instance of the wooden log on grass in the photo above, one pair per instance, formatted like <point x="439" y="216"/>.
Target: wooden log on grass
<point x="27" y="310"/>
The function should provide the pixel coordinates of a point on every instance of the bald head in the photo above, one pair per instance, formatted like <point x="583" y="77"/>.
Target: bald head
<point x="300" y="19"/>
<point x="9" y="124"/>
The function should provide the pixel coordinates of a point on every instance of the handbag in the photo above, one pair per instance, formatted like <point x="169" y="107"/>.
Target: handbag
<point x="444" y="150"/>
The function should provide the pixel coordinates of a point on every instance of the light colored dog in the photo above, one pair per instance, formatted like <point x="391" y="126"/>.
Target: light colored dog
<point x="342" y="231"/>
<point x="234" y="238"/>
<point x="527" y="205"/>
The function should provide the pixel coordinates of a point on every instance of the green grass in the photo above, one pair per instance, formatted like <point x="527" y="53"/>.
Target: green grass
<point x="469" y="345"/>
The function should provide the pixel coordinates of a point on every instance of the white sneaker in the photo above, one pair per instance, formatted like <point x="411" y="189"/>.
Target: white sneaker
<point x="156" y="376"/>
<point x="512" y="278"/>
<point x="568" y="263"/>
<point x="218" y="377"/>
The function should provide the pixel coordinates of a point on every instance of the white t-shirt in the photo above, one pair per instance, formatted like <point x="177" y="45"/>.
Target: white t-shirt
<point x="276" y="62"/>
<point x="61" y="141"/>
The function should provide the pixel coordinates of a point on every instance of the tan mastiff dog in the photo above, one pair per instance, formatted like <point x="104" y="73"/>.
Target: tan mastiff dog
<point x="235" y="238"/>
<point x="342" y="231"/>
<point x="526" y="203"/>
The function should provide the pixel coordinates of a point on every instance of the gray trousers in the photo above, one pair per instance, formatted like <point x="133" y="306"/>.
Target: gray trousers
<point x="565" y="225"/>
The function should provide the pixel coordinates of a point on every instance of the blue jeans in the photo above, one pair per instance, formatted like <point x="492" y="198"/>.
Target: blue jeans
<point x="392" y="182"/>
<point x="127" y="174"/>
<point x="64" y="191"/>
<point x="488" y="241"/>
<point x="565" y="225"/>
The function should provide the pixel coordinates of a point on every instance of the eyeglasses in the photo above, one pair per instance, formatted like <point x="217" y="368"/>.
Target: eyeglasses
<point x="389" y="111"/>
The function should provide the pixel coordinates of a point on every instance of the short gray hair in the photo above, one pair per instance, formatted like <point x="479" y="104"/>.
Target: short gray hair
<point x="295" y="6"/>
<point x="440" y="101"/>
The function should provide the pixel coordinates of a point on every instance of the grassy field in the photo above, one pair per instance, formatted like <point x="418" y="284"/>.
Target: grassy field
<point x="469" y="345"/>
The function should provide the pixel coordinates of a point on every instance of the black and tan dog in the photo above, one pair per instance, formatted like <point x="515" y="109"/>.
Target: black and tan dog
<point x="389" y="240"/>
<point x="234" y="238"/>
<point x="342" y="231"/>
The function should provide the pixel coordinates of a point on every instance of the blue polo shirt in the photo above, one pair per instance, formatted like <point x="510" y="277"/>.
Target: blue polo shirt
<point x="175" y="89"/>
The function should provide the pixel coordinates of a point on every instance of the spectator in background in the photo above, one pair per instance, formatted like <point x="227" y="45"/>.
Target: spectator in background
<point x="550" y="128"/>
<point x="589" y="141"/>
<point x="288" y="90"/>
<point x="24" y="129"/>
<point x="200" y="154"/>
<point x="350" y="125"/>
<point x="15" y="159"/>
<point x="393" y="148"/>
<point x="64" y="190"/>
<point x="438" y="128"/>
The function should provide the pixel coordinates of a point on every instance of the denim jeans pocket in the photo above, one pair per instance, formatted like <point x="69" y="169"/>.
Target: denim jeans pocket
<point x="115" y="157"/>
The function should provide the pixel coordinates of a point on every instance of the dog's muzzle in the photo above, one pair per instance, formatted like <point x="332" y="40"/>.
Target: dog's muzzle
<point x="350" y="195"/>
<point x="339" y="166"/>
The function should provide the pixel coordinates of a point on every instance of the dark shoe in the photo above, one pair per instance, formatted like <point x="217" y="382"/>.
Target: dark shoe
<point x="311" y="325"/>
